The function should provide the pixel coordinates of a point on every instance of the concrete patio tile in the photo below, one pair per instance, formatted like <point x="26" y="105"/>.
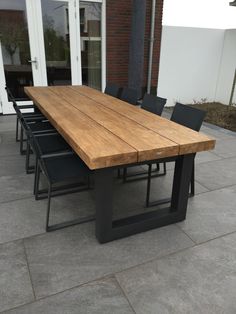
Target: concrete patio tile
<point x="8" y="123"/>
<point x="12" y="165"/>
<point x="8" y="145"/>
<point x="201" y="279"/>
<point x="226" y="148"/>
<point x="217" y="174"/>
<point x="211" y="215"/>
<point x="201" y="157"/>
<point x="162" y="187"/>
<point x="70" y="257"/>
<point x="16" y="187"/>
<point x="217" y="132"/>
<point x="15" y="285"/>
<point x="100" y="297"/>
<point x="27" y="217"/>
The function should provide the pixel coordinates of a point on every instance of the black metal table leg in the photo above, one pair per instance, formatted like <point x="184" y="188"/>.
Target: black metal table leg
<point x="104" y="201"/>
<point x="180" y="189"/>
<point x="108" y="229"/>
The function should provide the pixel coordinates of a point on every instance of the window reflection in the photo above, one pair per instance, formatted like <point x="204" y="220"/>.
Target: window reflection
<point x="90" y="29"/>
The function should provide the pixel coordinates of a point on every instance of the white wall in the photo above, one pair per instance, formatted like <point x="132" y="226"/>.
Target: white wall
<point x="189" y="63"/>
<point x="227" y="68"/>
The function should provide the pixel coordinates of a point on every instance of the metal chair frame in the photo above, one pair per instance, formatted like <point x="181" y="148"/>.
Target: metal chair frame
<point x="191" y="118"/>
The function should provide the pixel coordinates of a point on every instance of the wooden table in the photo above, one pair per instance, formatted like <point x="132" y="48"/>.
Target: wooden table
<point x="108" y="133"/>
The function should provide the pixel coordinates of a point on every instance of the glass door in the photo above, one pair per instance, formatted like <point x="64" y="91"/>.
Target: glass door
<point x="50" y="42"/>
<point x="56" y="32"/>
<point x="15" y="70"/>
<point x="91" y="48"/>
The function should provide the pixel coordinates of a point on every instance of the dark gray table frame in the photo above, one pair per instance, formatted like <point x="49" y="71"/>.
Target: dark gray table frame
<point x="108" y="230"/>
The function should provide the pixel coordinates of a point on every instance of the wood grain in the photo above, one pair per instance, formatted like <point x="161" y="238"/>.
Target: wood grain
<point x="89" y="140"/>
<point x="189" y="141"/>
<point x="147" y="143"/>
<point x="105" y="131"/>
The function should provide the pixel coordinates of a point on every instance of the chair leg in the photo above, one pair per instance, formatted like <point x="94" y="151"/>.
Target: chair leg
<point x="21" y="140"/>
<point x="36" y="173"/>
<point x="192" y="184"/>
<point x="148" y="184"/>
<point x="164" y="168"/>
<point x="158" y="166"/>
<point x="124" y="175"/>
<point x="28" y="168"/>
<point x="37" y="182"/>
<point x="27" y="159"/>
<point x="48" y="206"/>
<point x="17" y="129"/>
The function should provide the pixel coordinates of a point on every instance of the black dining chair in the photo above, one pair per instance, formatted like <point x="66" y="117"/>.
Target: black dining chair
<point x="153" y="104"/>
<point x="64" y="172"/>
<point x="130" y="95"/>
<point x="19" y="109"/>
<point x="189" y="117"/>
<point x="112" y="90"/>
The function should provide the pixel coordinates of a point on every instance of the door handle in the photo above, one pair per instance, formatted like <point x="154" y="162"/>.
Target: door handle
<point x="35" y="61"/>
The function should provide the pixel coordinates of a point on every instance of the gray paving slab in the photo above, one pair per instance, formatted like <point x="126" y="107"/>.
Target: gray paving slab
<point x="211" y="215"/>
<point x="15" y="285"/>
<point x="70" y="257"/>
<point x="217" y="133"/>
<point x="8" y="145"/>
<point x="100" y="297"/>
<point x="8" y="123"/>
<point x="226" y="148"/>
<point x="26" y="217"/>
<point x="12" y="165"/>
<point x="217" y="174"/>
<point x="16" y="187"/>
<point x="198" y="280"/>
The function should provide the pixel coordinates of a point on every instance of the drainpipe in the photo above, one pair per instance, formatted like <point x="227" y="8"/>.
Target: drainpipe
<point x="136" y="48"/>
<point x="149" y="81"/>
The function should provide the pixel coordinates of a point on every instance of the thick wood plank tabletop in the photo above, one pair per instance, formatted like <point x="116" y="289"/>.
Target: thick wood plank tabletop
<point x="148" y="144"/>
<point x="105" y="131"/>
<point x="189" y="141"/>
<point x="94" y="144"/>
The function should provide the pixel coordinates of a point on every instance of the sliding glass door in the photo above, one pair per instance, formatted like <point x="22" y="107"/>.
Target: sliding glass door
<point x="90" y="35"/>
<point x="50" y="42"/>
<point x="16" y="71"/>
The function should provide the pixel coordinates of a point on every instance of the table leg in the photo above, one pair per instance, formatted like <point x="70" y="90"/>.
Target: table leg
<point x="180" y="190"/>
<point x="107" y="229"/>
<point x="104" y="203"/>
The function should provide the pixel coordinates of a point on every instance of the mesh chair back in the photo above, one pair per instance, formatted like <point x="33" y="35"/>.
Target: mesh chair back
<point x="12" y="99"/>
<point x="112" y="90"/>
<point x="129" y="95"/>
<point x="188" y="116"/>
<point x="153" y="104"/>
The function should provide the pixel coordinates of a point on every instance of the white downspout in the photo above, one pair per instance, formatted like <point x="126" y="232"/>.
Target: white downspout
<point x="149" y="81"/>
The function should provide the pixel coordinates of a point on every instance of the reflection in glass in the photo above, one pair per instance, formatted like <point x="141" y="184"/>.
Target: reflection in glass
<point x="56" y="41"/>
<point x="15" y="46"/>
<point x="90" y="31"/>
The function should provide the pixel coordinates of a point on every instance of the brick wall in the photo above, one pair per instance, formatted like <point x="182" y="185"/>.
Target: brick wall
<point x="119" y="17"/>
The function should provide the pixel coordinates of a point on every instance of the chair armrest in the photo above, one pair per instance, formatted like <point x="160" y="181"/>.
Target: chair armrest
<point x="47" y="134"/>
<point x="61" y="154"/>
<point x="26" y="106"/>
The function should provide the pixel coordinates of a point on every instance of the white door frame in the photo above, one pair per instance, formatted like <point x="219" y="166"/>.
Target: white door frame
<point x="37" y="48"/>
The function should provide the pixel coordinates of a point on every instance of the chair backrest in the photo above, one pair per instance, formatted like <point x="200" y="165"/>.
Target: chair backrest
<point x="12" y="98"/>
<point x="153" y="104"/>
<point x="129" y="95"/>
<point x="188" y="116"/>
<point x="112" y="90"/>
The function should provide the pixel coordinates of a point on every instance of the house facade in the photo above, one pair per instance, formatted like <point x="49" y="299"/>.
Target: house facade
<point x="54" y="42"/>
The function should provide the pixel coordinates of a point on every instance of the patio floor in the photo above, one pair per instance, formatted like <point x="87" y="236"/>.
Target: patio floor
<point x="189" y="267"/>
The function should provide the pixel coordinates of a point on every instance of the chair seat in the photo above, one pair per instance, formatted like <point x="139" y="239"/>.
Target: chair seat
<point x="40" y="126"/>
<point x="66" y="168"/>
<point x="52" y="144"/>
